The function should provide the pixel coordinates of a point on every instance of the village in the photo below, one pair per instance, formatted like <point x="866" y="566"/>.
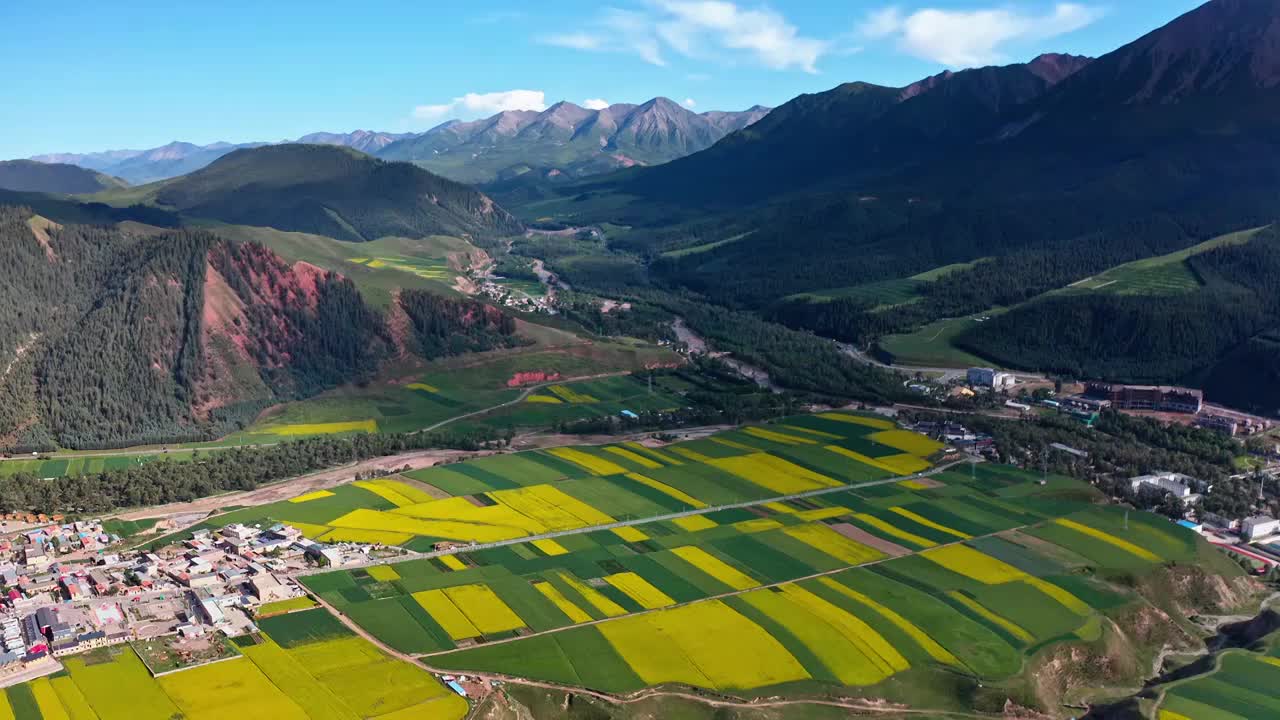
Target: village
<point x="74" y="587"/>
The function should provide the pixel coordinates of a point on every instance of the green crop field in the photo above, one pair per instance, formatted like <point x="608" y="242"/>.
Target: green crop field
<point x="931" y="345"/>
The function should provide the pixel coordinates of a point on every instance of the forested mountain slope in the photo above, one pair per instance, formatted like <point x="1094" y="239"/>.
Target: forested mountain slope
<point x="112" y="336"/>
<point x="333" y="191"/>
<point x="30" y="176"/>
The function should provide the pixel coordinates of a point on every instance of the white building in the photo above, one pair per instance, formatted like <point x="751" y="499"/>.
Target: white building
<point x="990" y="378"/>
<point x="1259" y="526"/>
<point x="1176" y="484"/>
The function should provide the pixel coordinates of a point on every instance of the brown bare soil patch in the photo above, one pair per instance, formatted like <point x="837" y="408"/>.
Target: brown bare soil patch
<point x="857" y="534"/>
<point x="40" y="227"/>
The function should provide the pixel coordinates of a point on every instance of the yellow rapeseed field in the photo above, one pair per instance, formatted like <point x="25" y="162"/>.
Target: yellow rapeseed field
<point x="834" y="544"/>
<point x="550" y="547"/>
<point x="484" y="608"/>
<point x="544" y="400"/>
<point x="733" y="444"/>
<point x="908" y="442"/>
<point x="570" y="395"/>
<point x="863" y="420"/>
<point x="594" y="465"/>
<point x="695" y="523"/>
<point x="597" y="599"/>
<point x="845" y="660"/>
<point x="780" y="508"/>
<point x="314" y="495"/>
<point x="864" y="459"/>
<point x="982" y="611"/>
<point x="414" y="494"/>
<point x="552" y="593"/>
<point x="912" y="485"/>
<point x="640" y="590"/>
<point x="390" y="494"/>
<point x="826" y="513"/>
<point x="927" y="643"/>
<point x="373" y="684"/>
<point x="707" y="644"/>
<point x="715" y="567"/>
<point x="655" y="454"/>
<point x="1171" y="715"/>
<point x="630" y="534"/>
<point x="773" y="473"/>
<point x="990" y="571"/>
<point x="551" y="507"/>
<point x="452" y="620"/>
<point x="423" y="387"/>
<point x="284" y="671"/>
<point x="1110" y="539"/>
<point x="693" y="455"/>
<point x="231" y="689"/>
<point x="815" y="433"/>
<point x="356" y="535"/>
<point x="452" y="562"/>
<point x="757" y="525"/>
<point x="47" y="700"/>
<point x="6" y="710"/>
<point x="666" y="489"/>
<point x="634" y="457"/>
<point x="458" y="509"/>
<point x="921" y="520"/>
<point x="859" y="634"/>
<point x="312" y="532"/>
<point x="73" y="700"/>
<point x="904" y="464"/>
<point x="382" y="573"/>
<point x="334" y="428"/>
<point x="893" y="531"/>
<point x="778" y="437"/>
<point x="365" y="519"/>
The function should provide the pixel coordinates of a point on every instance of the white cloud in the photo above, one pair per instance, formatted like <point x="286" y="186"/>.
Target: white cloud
<point x="690" y="103"/>
<point x="699" y="29"/>
<point x="595" y="104"/>
<point x="963" y="38"/>
<point x="481" y="104"/>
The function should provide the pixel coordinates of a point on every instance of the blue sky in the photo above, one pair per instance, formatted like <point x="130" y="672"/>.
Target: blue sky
<point x="86" y="75"/>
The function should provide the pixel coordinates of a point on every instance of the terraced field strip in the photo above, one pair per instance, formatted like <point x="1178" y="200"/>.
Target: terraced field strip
<point x="697" y="512"/>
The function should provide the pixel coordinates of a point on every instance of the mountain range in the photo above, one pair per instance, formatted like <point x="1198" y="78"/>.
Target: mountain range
<point x="565" y="138"/>
<point x="32" y="176"/>
<point x="568" y="140"/>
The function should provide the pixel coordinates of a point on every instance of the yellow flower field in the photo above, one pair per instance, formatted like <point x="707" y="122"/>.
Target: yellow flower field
<point x="423" y="387"/>
<point x="309" y="531"/>
<point x="452" y="620"/>
<point x="597" y="599"/>
<point x="593" y="464"/>
<point x="1110" y="539"/>
<point x="452" y="562"/>
<point x="927" y="643"/>
<point x="908" y="442"/>
<point x="982" y="611"/>
<point x="551" y="507"/>
<point x="334" y="428"/>
<point x="778" y="437"/>
<point x="356" y="535"/>
<point x="230" y="689"/>
<point x="846" y="661"/>
<point x="655" y="454"/>
<point x="461" y="510"/>
<point x="773" y="473"/>
<point x="904" y="464"/>
<point x="864" y="459"/>
<point x="640" y="590"/>
<point x="815" y="433"/>
<point x="834" y="544"/>
<point x="666" y="489"/>
<point x="544" y="400"/>
<point x="73" y="700"/>
<point x="921" y="520"/>
<point x="695" y="523"/>
<point x="707" y="644"/>
<point x="121" y="689"/>
<point x="552" y="593"/>
<point x="285" y="673"/>
<point x="314" y="495"/>
<point x="391" y="495"/>
<point x="893" y="531"/>
<point x="365" y="519"/>
<point x="912" y="485"/>
<point x="863" y="420"/>
<point x="382" y="573"/>
<point x="570" y="395"/>
<point x="404" y="489"/>
<point x="757" y="525"/>
<point x="733" y="444"/>
<point x="990" y="571"/>
<point x="484" y="608"/>
<point x="630" y="534"/>
<point x="715" y="567"/>
<point x="550" y="547"/>
<point x="634" y="457"/>
<point x="373" y="684"/>
<point x="819" y="514"/>
<point x="47" y="700"/>
<point x="859" y="634"/>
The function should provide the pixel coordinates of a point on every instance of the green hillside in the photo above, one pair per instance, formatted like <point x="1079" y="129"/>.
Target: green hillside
<point x="31" y="176"/>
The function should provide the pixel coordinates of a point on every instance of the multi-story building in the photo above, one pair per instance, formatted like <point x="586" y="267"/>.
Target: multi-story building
<point x="1148" y="397"/>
